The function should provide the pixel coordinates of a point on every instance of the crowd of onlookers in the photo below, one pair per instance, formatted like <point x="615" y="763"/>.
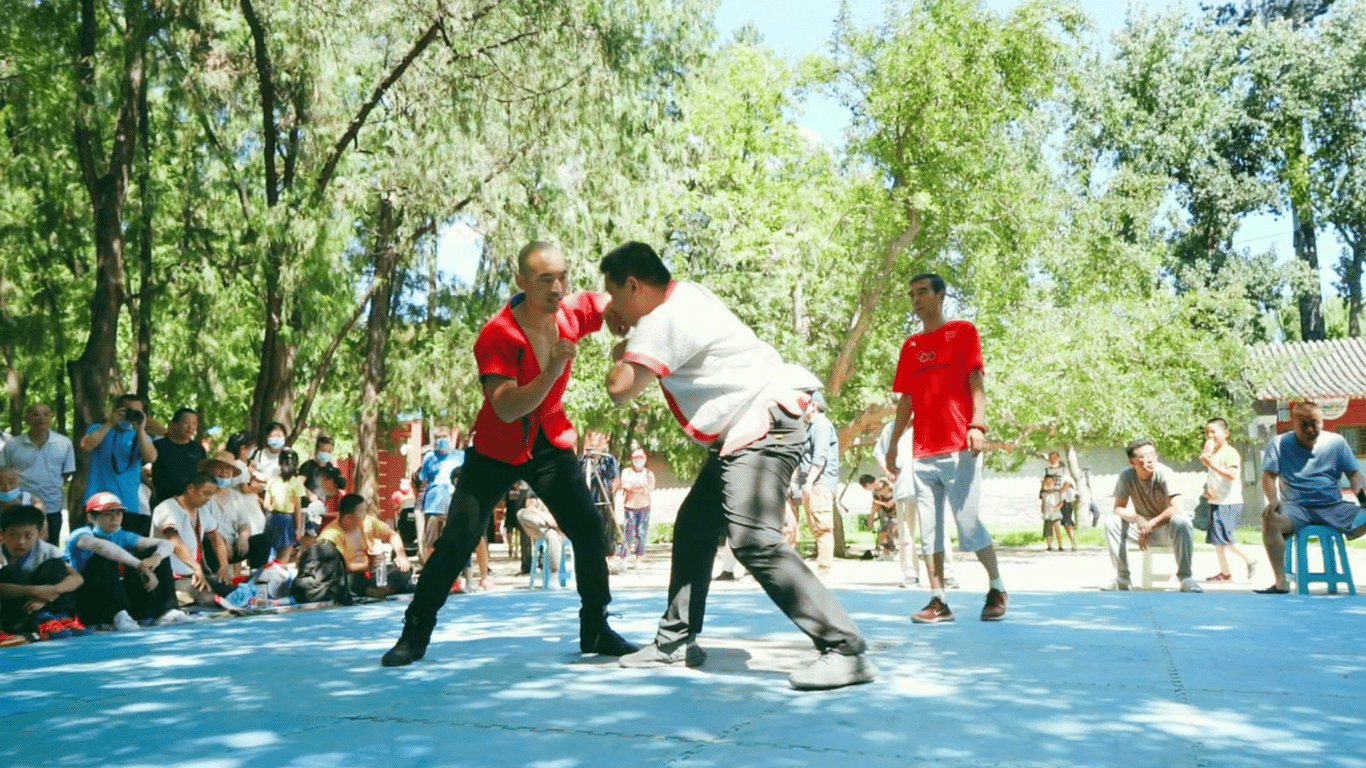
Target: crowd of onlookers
<point x="172" y="525"/>
<point x="176" y="522"/>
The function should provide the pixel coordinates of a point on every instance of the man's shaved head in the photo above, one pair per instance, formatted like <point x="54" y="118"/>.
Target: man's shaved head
<point x="531" y="249"/>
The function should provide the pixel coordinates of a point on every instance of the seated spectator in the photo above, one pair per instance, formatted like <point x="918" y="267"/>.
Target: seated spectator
<point x="127" y="577"/>
<point x="182" y="520"/>
<point x="363" y="541"/>
<point x="1156" y="518"/>
<point x="539" y="524"/>
<point x="12" y="495"/>
<point x="118" y="448"/>
<point x="284" y="505"/>
<point x="36" y="584"/>
<point x="238" y="516"/>
<point x="1300" y="472"/>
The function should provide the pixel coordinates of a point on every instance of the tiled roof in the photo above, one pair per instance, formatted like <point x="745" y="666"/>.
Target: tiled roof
<point x="1314" y="370"/>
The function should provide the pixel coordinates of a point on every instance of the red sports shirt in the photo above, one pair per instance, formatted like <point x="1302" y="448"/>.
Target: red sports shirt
<point x="933" y="371"/>
<point x="503" y="350"/>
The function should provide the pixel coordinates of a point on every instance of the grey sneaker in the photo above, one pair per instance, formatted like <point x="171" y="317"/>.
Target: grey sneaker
<point x="689" y="654"/>
<point x="833" y="670"/>
<point x="1118" y="585"/>
<point x="1189" y="585"/>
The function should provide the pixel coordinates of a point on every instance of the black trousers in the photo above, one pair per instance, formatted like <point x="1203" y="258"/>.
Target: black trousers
<point x="744" y="496"/>
<point x="554" y="474"/>
<point x="111" y="587"/>
<point x="397" y="582"/>
<point x="54" y="528"/>
<point x="13" y="617"/>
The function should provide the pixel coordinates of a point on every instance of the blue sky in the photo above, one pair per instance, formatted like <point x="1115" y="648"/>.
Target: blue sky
<point x="795" y="28"/>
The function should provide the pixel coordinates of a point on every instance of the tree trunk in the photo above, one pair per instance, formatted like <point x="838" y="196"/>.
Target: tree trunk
<point x="142" y="363"/>
<point x="14" y="381"/>
<point x="1351" y="279"/>
<point x="366" y="480"/>
<point x="93" y="372"/>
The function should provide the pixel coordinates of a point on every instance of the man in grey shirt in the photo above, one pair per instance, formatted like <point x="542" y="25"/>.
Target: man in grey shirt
<point x="1156" y="517"/>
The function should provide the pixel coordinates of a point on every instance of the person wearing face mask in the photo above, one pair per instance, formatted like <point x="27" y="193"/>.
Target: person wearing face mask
<point x="638" y="483"/>
<point x="435" y="487"/>
<point x="117" y="449"/>
<point x="178" y="456"/>
<point x="238" y="515"/>
<point x="127" y="577"/>
<point x="284" y="502"/>
<point x="267" y="457"/>
<point x="309" y="470"/>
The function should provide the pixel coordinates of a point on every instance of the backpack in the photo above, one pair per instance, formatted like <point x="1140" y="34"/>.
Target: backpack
<point x="322" y="576"/>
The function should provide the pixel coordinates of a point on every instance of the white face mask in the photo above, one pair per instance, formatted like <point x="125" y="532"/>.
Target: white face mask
<point x="323" y="457"/>
<point x="638" y="463"/>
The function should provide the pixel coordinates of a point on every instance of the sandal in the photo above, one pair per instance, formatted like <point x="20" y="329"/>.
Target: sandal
<point x="1221" y="577"/>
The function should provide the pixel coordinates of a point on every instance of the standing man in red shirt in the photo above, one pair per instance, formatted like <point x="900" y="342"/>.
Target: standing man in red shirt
<point x="524" y="354"/>
<point x="939" y="378"/>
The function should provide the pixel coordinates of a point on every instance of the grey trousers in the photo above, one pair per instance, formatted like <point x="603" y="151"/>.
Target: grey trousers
<point x="1177" y="534"/>
<point x="745" y="494"/>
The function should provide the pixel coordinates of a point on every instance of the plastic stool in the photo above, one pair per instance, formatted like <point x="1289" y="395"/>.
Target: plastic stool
<point x="538" y="563"/>
<point x="1147" y="567"/>
<point x="1336" y="567"/>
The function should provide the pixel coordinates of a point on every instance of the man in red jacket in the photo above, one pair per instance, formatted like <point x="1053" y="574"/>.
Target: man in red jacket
<point x="524" y="354"/>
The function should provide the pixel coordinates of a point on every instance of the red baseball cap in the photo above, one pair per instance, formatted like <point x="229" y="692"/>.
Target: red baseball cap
<point x="103" y="501"/>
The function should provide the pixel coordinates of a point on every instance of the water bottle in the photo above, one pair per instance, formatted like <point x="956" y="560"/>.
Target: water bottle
<point x="382" y="570"/>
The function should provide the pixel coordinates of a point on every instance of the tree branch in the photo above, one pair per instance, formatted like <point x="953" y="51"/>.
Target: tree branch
<point x="326" y="361"/>
<point x="868" y="301"/>
<point x="266" y="80"/>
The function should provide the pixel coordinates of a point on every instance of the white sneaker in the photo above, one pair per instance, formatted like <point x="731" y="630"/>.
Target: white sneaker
<point x="1118" y="585"/>
<point x="123" y="622"/>
<point x="1189" y="585"/>
<point x="175" y="616"/>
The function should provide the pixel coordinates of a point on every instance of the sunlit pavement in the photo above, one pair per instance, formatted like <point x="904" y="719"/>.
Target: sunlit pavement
<point x="1070" y="678"/>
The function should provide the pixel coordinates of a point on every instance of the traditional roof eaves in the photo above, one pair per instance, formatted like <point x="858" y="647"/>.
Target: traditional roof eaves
<point x="1309" y="370"/>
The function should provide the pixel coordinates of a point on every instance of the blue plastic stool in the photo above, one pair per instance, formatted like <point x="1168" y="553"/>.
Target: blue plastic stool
<point x="1336" y="568"/>
<point x="538" y="563"/>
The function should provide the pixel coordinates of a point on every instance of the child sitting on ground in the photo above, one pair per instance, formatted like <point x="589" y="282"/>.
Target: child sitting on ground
<point x="127" y="576"/>
<point x="35" y="582"/>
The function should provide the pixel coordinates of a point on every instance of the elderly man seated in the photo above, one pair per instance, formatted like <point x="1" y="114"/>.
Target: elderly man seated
<point x="1155" y="519"/>
<point x="1300" y="472"/>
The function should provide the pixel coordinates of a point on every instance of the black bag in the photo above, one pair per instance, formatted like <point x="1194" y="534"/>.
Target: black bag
<point x="1202" y="514"/>
<point x="322" y="576"/>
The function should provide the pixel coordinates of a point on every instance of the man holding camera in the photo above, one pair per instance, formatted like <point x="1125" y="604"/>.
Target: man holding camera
<point x="117" y="450"/>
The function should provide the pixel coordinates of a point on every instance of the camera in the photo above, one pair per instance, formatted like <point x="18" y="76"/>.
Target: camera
<point x="132" y="416"/>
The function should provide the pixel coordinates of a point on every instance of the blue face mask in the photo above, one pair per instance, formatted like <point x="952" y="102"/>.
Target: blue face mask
<point x="443" y="444"/>
<point x="223" y="482"/>
<point x="123" y="426"/>
<point x="275" y="443"/>
<point x="323" y="457"/>
<point x="9" y="495"/>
